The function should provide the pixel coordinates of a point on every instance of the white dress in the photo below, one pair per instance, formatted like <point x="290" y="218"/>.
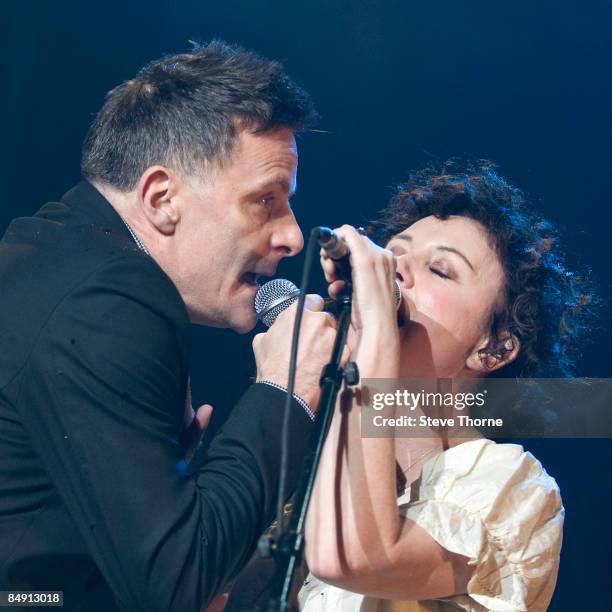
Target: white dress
<point x="493" y="503"/>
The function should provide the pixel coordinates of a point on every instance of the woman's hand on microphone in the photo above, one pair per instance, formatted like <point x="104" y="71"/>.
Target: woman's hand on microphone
<point x="375" y="335"/>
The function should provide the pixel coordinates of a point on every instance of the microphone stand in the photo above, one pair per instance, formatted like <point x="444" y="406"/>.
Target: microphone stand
<point x="287" y="550"/>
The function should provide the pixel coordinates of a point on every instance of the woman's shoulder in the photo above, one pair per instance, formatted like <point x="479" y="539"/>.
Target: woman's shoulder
<point x="483" y="462"/>
<point x="503" y="485"/>
<point x="480" y="453"/>
<point x="495" y="504"/>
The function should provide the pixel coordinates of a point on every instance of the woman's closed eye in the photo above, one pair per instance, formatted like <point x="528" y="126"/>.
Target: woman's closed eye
<point x="443" y="271"/>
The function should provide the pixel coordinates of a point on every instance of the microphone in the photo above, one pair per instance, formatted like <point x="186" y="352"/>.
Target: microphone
<point x="273" y="297"/>
<point x="278" y="294"/>
<point x="337" y="250"/>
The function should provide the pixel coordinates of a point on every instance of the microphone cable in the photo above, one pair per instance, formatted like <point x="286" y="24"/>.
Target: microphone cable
<point x="282" y="483"/>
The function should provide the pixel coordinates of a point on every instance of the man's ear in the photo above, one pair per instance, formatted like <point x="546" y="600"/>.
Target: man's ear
<point x="156" y="193"/>
<point x="481" y="361"/>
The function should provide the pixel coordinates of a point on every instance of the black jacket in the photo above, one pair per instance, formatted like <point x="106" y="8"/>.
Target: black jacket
<point x="94" y="493"/>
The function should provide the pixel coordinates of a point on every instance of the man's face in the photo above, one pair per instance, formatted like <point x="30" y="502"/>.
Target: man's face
<point x="235" y="226"/>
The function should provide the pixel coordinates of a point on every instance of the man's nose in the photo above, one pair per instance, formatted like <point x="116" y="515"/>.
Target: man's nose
<point x="288" y="238"/>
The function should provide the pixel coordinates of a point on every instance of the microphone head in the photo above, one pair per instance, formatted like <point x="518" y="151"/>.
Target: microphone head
<point x="273" y="297"/>
<point x="278" y="294"/>
<point x="397" y="294"/>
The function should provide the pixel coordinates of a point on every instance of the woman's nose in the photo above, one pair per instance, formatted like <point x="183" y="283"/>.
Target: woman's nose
<point x="403" y="272"/>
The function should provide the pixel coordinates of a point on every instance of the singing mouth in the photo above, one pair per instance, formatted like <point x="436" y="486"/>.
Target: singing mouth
<point x="255" y="279"/>
<point x="250" y="278"/>
<point x="401" y="319"/>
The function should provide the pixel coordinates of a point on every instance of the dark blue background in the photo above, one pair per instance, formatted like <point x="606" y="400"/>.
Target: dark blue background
<point x="398" y="83"/>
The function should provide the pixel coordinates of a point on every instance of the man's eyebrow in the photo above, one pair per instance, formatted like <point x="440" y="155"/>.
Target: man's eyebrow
<point x="278" y="181"/>
<point x="440" y="247"/>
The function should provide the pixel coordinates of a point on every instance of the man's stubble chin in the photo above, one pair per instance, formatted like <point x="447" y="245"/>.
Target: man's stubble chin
<point x="238" y="315"/>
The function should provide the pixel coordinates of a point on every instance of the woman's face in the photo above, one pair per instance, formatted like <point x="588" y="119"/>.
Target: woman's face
<point x="451" y="280"/>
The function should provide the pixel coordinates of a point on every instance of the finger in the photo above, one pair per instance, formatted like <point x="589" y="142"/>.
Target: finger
<point x="362" y="249"/>
<point x="328" y="319"/>
<point x="203" y="416"/>
<point x="314" y="302"/>
<point x="346" y="355"/>
<point x="357" y="243"/>
<point x="335" y="288"/>
<point x="257" y="340"/>
<point x="192" y="435"/>
<point x="329" y="269"/>
<point x="347" y="232"/>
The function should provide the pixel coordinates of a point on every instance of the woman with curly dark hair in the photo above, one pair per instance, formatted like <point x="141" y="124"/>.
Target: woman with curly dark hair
<point x="485" y="292"/>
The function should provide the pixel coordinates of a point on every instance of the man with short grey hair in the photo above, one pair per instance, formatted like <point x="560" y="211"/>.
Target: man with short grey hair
<point x="188" y="170"/>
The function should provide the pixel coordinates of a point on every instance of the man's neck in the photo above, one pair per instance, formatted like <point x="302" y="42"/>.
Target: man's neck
<point x="126" y="206"/>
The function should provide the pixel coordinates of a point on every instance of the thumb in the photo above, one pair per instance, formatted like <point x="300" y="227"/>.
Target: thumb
<point x="314" y="302"/>
<point x="203" y="416"/>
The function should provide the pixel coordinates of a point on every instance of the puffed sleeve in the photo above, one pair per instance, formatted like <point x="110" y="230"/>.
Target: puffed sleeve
<point x="495" y="504"/>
